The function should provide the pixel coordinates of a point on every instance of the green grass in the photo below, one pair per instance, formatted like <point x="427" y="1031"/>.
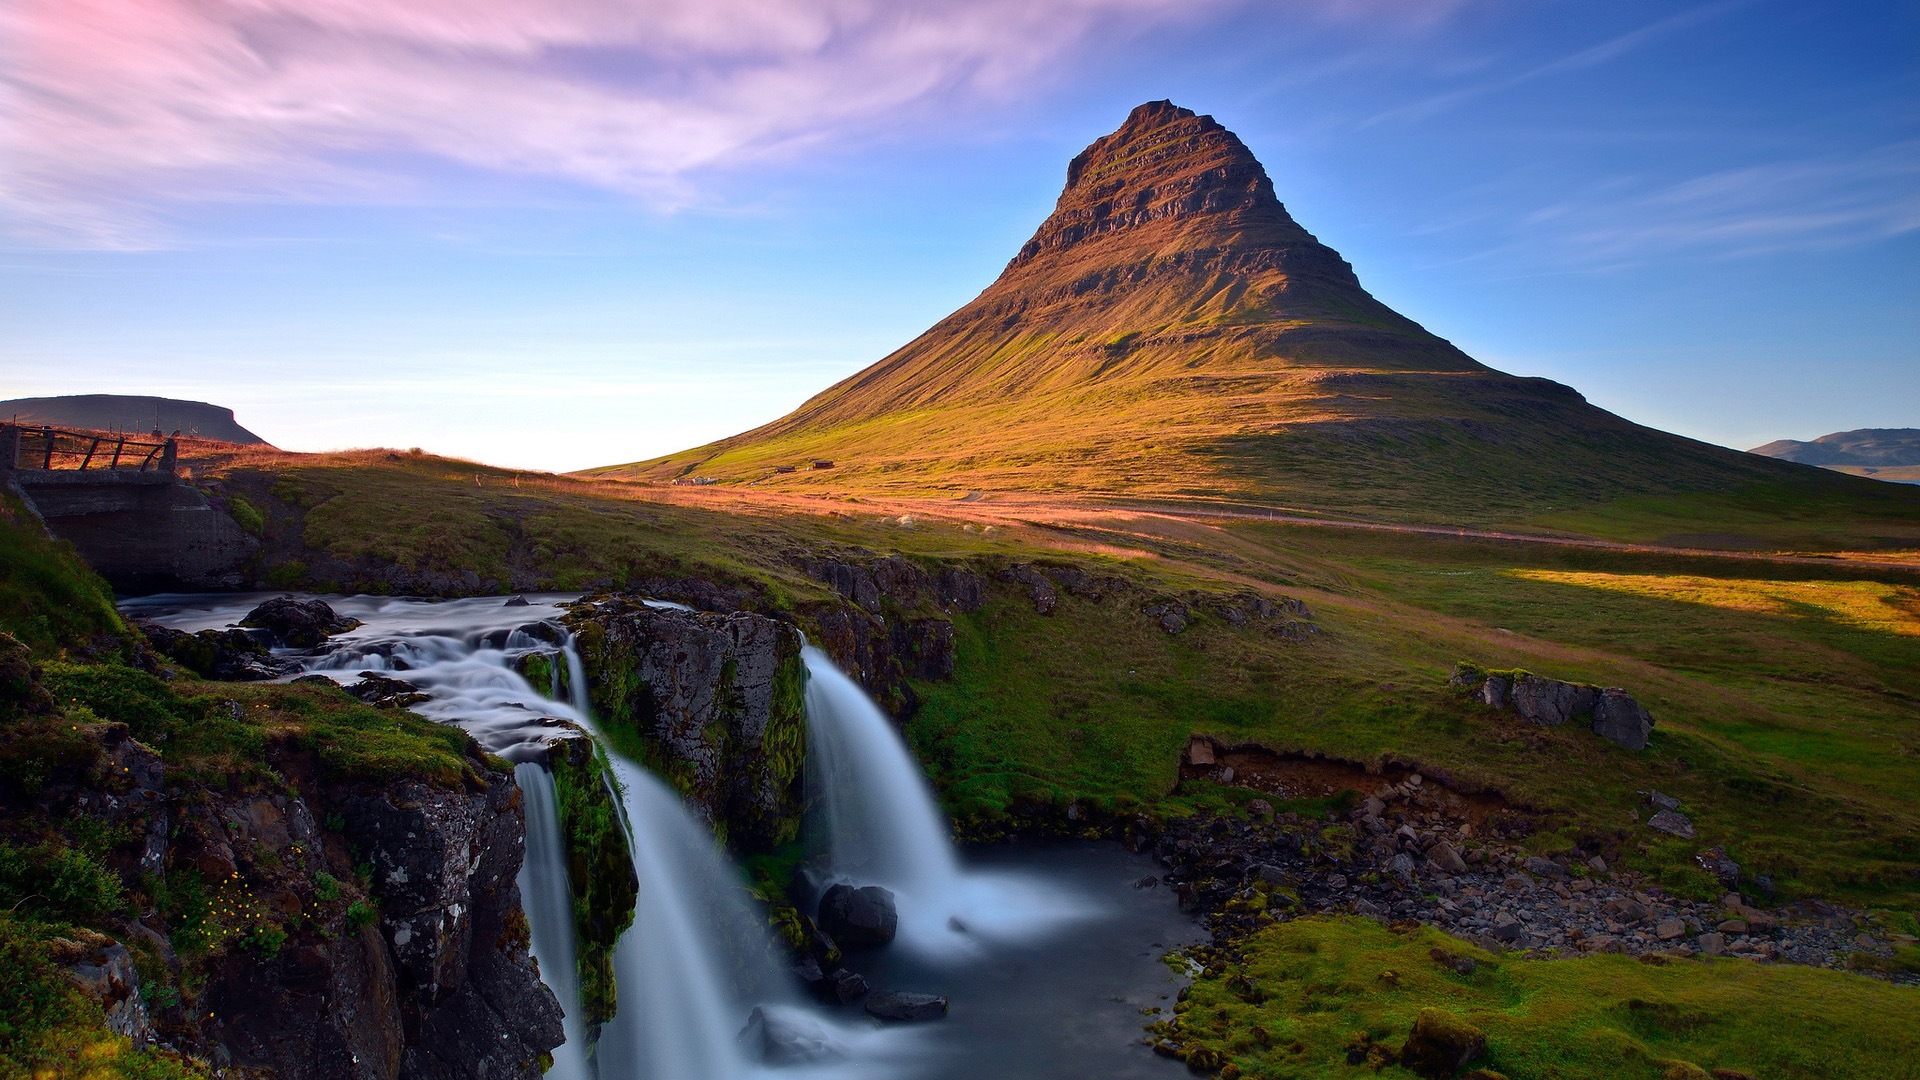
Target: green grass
<point x="49" y="600"/>
<point x="48" y="1029"/>
<point x="1307" y="991"/>
<point x="221" y="731"/>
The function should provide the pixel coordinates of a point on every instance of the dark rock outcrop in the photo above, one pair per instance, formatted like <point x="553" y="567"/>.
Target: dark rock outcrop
<point x="901" y="1005"/>
<point x="858" y="917"/>
<point x="298" y="623"/>
<point x="1611" y="713"/>
<point x="228" y="655"/>
<point x="1618" y="718"/>
<point x="719" y="698"/>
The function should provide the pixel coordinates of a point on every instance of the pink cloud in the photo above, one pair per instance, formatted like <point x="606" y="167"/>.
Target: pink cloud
<point x="109" y="108"/>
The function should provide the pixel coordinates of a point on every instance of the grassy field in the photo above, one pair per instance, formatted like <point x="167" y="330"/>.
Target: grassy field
<point x="1313" y="993"/>
<point x="1788" y="697"/>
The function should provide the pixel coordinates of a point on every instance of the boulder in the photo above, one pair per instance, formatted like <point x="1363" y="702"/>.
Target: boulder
<point x="1039" y="589"/>
<point x="1621" y="720"/>
<point x="517" y="601"/>
<point x="843" y="987"/>
<point x="1550" y="701"/>
<point x="1441" y="1044"/>
<point x="228" y="655"/>
<point x="858" y="916"/>
<point x="385" y="692"/>
<point x="1545" y="868"/>
<point x="784" y="1037"/>
<point x="900" y="1005"/>
<point x="1445" y="859"/>
<point x="1497" y="691"/>
<point x="1714" y="861"/>
<point x="297" y="623"/>
<point x="1671" y="823"/>
<point x="960" y="590"/>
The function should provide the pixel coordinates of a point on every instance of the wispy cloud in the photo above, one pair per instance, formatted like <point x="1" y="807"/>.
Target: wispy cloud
<point x="110" y="109"/>
<point x="1592" y="56"/>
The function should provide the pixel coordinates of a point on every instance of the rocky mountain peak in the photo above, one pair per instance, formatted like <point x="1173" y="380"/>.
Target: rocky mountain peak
<point x="1165" y="163"/>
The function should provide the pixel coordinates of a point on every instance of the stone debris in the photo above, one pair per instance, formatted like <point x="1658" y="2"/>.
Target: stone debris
<point x="1400" y="857"/>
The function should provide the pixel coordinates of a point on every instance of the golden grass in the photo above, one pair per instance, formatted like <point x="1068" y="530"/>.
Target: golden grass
<point x="1866" y="605"/>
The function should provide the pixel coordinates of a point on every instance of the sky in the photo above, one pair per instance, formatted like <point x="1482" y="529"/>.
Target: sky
<point x="553" y="234"/>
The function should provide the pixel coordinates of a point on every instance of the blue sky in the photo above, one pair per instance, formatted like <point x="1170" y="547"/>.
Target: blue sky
<point x="561" y="233"/>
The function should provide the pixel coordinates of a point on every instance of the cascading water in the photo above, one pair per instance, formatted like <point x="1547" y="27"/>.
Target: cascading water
<point x="696" y="961"/>
<point x="879" y="821"/>
<point x="878" y="824"/>
<point x="549" y="904"/>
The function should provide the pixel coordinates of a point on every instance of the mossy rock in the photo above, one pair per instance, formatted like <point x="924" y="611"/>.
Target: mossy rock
<point x="599" y="870"/>
<point x="1441" y="1044"/>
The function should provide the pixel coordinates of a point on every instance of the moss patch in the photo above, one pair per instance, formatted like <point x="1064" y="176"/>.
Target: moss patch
<point x="1313" y="996"/>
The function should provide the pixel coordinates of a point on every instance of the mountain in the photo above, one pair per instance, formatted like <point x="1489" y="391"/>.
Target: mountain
<point x="127" y="412"/>
<point x="1171" y="331"/>
<point x="1864" y="446"/>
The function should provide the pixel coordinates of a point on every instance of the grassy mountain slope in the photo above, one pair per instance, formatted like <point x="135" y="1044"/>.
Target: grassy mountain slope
<point x="1171" y="331"/>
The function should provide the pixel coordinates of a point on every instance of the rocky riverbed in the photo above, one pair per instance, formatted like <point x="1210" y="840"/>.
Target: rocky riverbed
<point x="1412" y="851"/>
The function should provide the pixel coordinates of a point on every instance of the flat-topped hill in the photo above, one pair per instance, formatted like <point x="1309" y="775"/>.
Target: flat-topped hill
<point x="130" y="413"/>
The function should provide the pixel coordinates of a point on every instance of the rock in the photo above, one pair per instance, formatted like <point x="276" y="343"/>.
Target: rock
<point x="1622" y="909"/>
<point x="1465" y="965"/>
<point x="1597" y="864"/>
<point x="1733" y="926"/>
<point x="858" y="916"/>
<point x="1441" y="1044"/>
<point x="1712" y="944"/>
<point x="297" y="623"/>
<point x="1545" y="868"/>
<point x="1669" y="929"/>
<point x="1467" y="676"/>
<point x="1200" y="751"/>
<point x="1170" y="614"/>
<point x="1550" y="701"/>
<point x="1259" y="808"/>
<point x="785" y="1037"/>
<point x="1039" y="589"/>
<point x="385" y="692"/>
<point x="1443" y="856"/>
<point x="106" y="975"/>
<point x="843" y="987"/>
<point x="925" y="648"/>
<point x="228" y="655"/>
<point x="960" y="590"/>
<point x="1671" y="823"/>
<point x="1714" y="861"/>
<point x="900" y="1005"/>
<point x="1227" y="775"/>
<point x="1661" y="802"/>
<point x="517" y="601"/>
<point x="1497" y="691"/>
<point x="1621" y="720"/>
<point x="718" y="697"/>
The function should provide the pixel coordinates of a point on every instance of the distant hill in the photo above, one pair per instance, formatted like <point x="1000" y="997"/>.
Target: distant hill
<point x="1865" y="446"/>
<point x="128" y="412"/>
<point x="1171" y="332"/>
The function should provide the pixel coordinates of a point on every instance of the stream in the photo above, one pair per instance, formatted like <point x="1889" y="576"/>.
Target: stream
<point x="1049" y="952"/>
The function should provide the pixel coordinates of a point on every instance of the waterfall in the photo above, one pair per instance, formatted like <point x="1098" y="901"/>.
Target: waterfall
<point x="549" y="904"/>
<point x="880" y="824"/>
<point x="877" y="824"/>
<point x="698" y="958"/>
